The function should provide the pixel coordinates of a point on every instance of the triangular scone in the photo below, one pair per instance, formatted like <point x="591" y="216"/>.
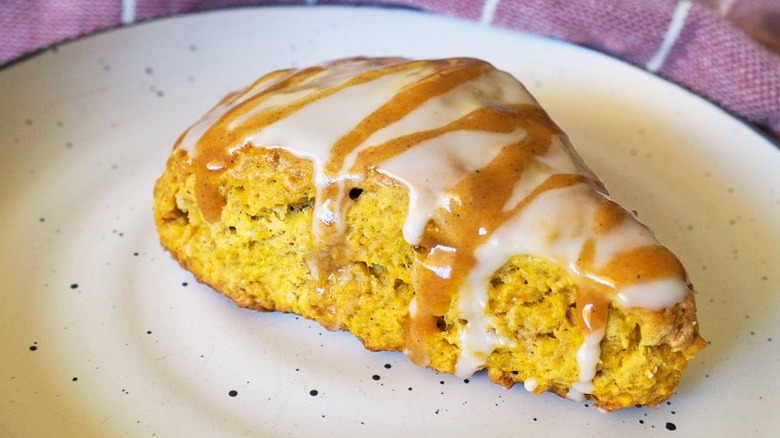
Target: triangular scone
<point x="429" y="207"/>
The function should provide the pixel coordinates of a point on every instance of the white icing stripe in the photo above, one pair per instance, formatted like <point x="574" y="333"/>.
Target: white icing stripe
<point x="192" y="135"/>
<point x="312" y="131"/>
<point x="556" y="225"/>
<point x="555" y="161"/>
<point x="654" y="295"/>
<point x="190" y="138"/>
<point x="670" y="38"/>
<point x="587" y="358"/>
<point x="432" y="168"/>
<point x="445" y="109"/>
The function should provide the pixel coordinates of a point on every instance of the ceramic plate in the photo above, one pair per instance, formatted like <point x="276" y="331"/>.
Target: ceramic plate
<point x="102" y="334"/>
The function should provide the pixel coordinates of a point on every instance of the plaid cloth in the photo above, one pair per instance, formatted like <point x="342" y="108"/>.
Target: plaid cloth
<point x="725" y="50"/>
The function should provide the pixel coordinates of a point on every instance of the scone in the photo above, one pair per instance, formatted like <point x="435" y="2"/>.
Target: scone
<point x="429" y="207"/>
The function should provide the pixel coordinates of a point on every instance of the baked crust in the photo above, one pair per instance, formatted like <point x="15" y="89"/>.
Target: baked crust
<point x="263" y="255"/>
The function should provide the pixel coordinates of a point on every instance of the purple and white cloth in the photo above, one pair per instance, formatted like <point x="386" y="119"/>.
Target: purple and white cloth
<point x="727" y="51"/>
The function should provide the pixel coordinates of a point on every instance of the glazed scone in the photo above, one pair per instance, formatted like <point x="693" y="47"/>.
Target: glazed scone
<point x="429" y="207"/>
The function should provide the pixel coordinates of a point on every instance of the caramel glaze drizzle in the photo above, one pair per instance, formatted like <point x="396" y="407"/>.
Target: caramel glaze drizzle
<point x="475" y="207"/>
<point x="475" y="211"/>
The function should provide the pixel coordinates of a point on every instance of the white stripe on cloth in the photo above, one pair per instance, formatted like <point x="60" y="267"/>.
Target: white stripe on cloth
<point x="128" y="11"/>
<point x="670" y="38"/>
<point x="488" y="11"/>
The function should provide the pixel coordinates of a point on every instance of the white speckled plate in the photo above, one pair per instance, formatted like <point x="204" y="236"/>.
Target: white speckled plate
<point x="102" y="334"/>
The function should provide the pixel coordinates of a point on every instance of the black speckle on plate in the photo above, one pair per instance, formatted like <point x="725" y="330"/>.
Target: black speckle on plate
<point x="232" y="393"/>
<point x="313" y="392"/>
<point x="156" y="91"/>
<point x="671" y="426"/>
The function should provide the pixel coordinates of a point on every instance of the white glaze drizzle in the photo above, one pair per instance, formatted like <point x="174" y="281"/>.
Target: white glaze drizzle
<point x="530" y="384"/>
<point x="587" y="359"/>
<point x="457" y="154"/>
<point x="556" y="224"/>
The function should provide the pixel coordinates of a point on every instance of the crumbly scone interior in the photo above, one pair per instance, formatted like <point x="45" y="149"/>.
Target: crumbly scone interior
<point x="263" y="255"/>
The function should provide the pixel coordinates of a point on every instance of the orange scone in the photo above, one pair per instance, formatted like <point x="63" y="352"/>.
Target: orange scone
<point x="429" y="207"/>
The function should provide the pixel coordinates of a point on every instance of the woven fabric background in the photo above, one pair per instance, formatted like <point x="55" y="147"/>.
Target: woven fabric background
<point x="727" y="51"/>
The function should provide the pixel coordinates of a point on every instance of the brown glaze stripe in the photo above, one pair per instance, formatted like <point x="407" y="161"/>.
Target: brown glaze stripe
<point x="214" y="150"/>
<point x="476" y="210"/>
<point x="446" y="75"/>
<point x="476" y="206"/>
